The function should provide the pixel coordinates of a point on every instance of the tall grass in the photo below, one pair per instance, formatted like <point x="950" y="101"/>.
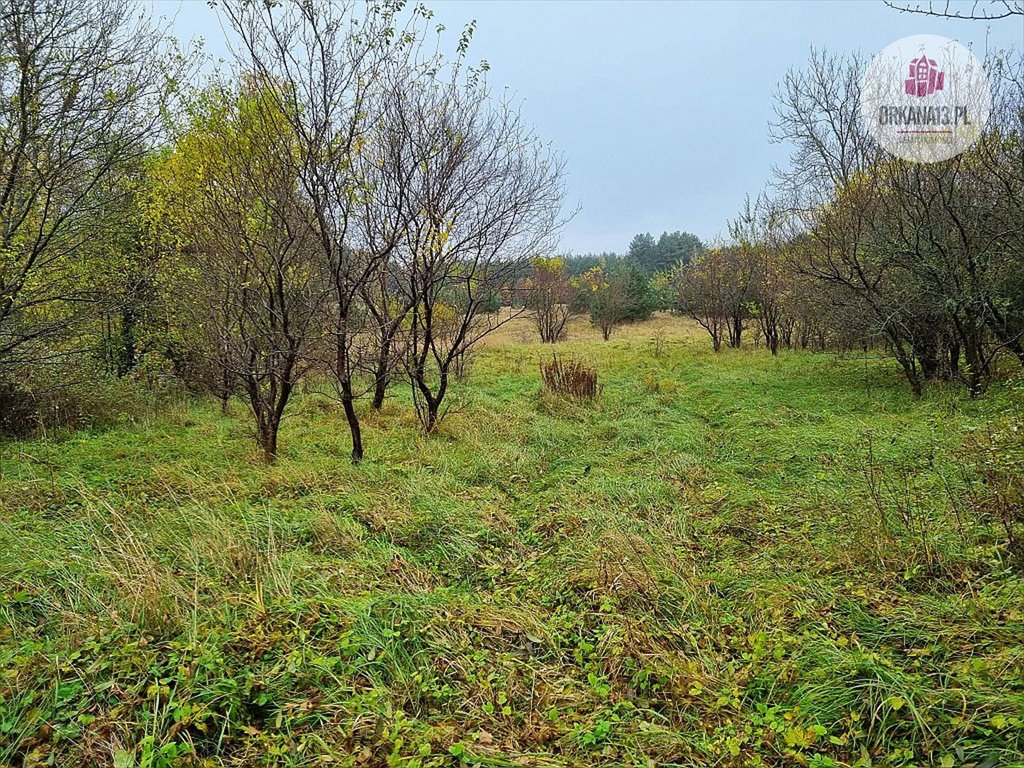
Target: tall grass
<point x="735" y="560"/>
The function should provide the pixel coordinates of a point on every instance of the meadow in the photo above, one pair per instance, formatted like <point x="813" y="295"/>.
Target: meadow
<point x="727" y="559"/>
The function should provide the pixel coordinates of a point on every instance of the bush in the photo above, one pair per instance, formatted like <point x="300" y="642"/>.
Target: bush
<point x="572" y="378"/>
<point x="66" y="397"/>
<point x="998" y="458"/>
<point x="616" y="294"/>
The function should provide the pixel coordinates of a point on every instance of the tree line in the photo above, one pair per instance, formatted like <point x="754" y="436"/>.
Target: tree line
<point x="347" y="207"/>
<point x="649" y="254"/>
<point x="851" y="247"/>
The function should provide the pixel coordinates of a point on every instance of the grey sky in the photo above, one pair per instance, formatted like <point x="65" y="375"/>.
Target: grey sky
<point x="660" y="108"/>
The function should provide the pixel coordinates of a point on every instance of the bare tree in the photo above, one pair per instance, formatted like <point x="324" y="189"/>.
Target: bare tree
<point x="760" y="246"/>
<point x="712" y="289"/>
<point x="817" y="112"/>
<point x="997" y="167"/>
<point x="698" y="296"/>
<point x="952" y="237"/>
<point x="930" y="252"/>
<point x="388" y="306"/>
<point x="830" y="199"/>
<point x="256" y="286"/>
<point x="488" y="197"/>
<point x="389" y="170"/>
<point x="338" y="68"/>
<point x="980" y="10"/>
<point x="551" y="295"/>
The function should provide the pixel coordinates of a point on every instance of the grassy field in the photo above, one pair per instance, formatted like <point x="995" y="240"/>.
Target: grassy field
<point x="726" y="560"/>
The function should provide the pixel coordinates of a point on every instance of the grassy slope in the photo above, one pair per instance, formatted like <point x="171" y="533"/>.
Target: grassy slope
<point x="690" y="572"/>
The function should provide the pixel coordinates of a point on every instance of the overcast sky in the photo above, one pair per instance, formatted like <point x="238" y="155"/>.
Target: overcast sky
<point x="660" y="108"/>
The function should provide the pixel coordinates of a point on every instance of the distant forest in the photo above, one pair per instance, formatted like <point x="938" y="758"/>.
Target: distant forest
<point x="653" y="255"/>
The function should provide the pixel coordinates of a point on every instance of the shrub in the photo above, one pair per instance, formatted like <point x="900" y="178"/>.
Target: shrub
<point x="572" y="377"/>
<point x="67" y="397"/>
<point x="998" y="457"/>
<point x="552" y="295"/>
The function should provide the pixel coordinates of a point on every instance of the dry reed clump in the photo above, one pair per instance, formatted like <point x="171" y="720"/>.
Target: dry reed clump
<point x="571" y="377"/>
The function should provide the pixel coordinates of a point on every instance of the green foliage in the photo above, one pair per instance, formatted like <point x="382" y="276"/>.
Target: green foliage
<point x="577" y="265"/>
<point x="642" y="298"/>
<point x="669" y="250"/>
<point x="617" y="293"/>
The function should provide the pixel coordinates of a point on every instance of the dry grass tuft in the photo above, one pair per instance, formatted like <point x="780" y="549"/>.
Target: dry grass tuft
<point x="572" y="378"/>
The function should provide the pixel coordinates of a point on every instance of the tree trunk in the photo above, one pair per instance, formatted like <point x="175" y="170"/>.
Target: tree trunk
<point x="906" y="361"/>
<point x="735" y="331"/>
<point x="269" y="442"/>
<point x="912" y="378"/>
<point x="429" y="413"/>
<point x="348" y="403"/>
<point x="266" y="430"/>
<point x="771" y="337"/>
<point x="953" y="356"/>
<point x="971" y="331"/>
<point x="348" y="399"/>
<point x="381" y="374"/>
<point x="224" y="393"/>
<point x="926" y="348"/>
<point x="976" y="368"/>
<point x="997" y="323"/>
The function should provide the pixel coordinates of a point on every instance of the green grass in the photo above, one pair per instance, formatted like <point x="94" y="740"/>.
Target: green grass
<point x="691" y="571"/>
